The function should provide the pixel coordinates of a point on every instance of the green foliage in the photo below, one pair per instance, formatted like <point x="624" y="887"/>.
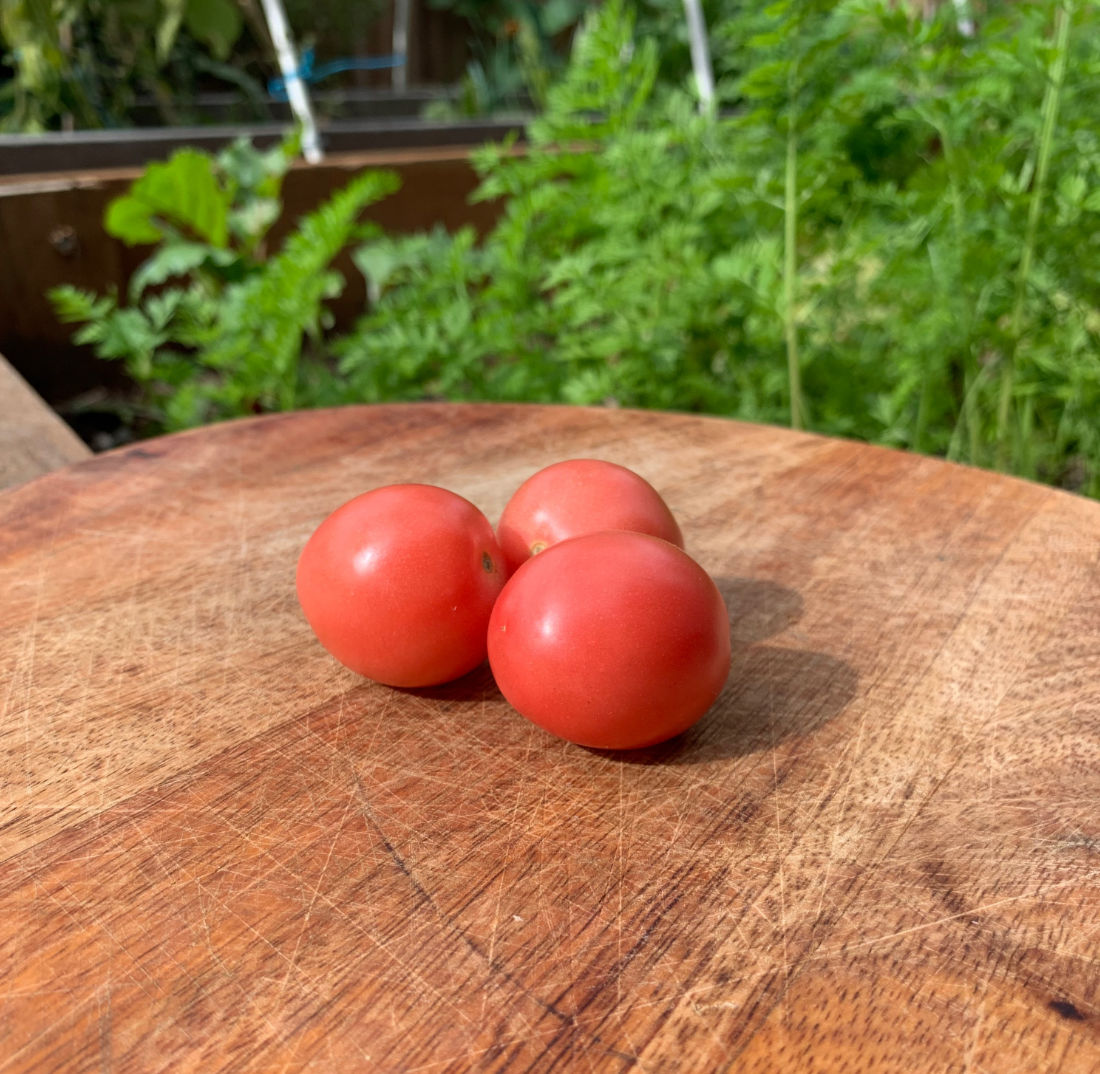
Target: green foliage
<point x="982" y="301"/>
<point x="892" y="236"/>
<point x="216" y="23"/>
<point x="596" y="284"/>
<point x="84" y="62"/>
<point x="184" y="192"/>
<point x="892" y="233"/>
<point x="214" y="328"/>
<point x="516" y="52"/>
<point x="639" y="258"/>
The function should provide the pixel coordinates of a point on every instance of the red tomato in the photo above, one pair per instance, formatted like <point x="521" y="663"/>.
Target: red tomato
<point x="398" y="584"/>
<point x="581" y="496"/>
<point x="611" y="640"/>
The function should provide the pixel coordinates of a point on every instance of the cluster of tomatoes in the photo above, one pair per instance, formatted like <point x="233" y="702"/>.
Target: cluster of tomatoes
<point x="597" y="625"/>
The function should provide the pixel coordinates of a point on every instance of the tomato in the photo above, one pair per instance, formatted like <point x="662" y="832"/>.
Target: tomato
<point x="398" y="584"/>
<point x="581" y="496"/>
<point x="611" y="640"/>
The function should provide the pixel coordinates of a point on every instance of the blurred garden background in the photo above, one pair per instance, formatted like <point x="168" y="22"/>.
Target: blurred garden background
<point x="884" y="224"/>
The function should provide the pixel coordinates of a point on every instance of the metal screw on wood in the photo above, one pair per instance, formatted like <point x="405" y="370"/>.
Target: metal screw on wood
<point x="65" y="240"/>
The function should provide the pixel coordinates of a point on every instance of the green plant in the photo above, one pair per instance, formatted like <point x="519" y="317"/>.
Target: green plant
<point x="872" y="244"/>
<point x="516" y="52"/>
<point x="895" y="235"/>
<point x="789" y="86"/>
<point x="636" y="260"/>
<point x="213" y="326"/>
<point x="596" y="283"/>
<point x="84" y="62"/>
<point x="974" y="277"/>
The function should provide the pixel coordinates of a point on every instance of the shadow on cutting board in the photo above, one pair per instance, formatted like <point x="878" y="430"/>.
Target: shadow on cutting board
<point x="774" y="692"/>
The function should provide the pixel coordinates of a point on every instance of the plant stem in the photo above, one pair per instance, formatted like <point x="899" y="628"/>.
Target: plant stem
<point x="1051" y="100"/>
<point x="968" y="406"/>
<point x="790" y="270"/>
<point x="924" y="406"/>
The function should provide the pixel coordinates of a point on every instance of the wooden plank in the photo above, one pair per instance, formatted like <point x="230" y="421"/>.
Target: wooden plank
<point x="82" y="150"/>
<point x="33" y="439"/>
<point x="220" y="851"/>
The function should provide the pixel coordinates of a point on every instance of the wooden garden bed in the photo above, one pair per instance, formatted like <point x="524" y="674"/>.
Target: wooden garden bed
<point x="51" y="232"/>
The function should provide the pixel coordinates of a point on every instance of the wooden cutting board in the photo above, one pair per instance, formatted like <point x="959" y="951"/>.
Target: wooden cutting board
<point x="221" y="851"/>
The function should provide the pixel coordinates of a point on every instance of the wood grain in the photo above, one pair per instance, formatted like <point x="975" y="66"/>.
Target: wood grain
<point x="219" y="851"/>
<point x="33" y="439"/>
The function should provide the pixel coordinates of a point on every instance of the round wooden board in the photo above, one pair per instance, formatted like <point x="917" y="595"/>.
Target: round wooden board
<point x="221" y="851"/>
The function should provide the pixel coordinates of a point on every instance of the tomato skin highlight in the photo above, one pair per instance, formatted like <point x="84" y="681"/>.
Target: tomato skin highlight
<point x="613" y="640"/>
<point x="398" y="584"/>
<point x="578" y="496"/>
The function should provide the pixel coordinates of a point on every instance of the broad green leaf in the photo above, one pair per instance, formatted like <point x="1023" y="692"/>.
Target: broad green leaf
<point x="252" y="220"/>
<point x="378" y="261"/>
<point x="131" y="219"/>
<point x="259" y="170"/>
<point x="216" y="23"/>
<point x="176" y="259"/>
<point x="182" y="193"/>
